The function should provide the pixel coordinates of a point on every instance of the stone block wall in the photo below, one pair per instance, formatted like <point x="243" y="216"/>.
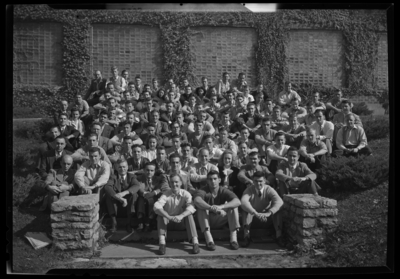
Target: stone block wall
<point x="74" y="223"/>
<point x="307" y="218"/>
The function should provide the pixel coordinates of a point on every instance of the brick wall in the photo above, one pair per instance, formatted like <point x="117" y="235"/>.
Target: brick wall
<point x="133" y="47"/>
<point x="224" y="49"/>
<point x="38" y="54"/>
<point x="381" y="70"/>
<point x="315" y="57"/>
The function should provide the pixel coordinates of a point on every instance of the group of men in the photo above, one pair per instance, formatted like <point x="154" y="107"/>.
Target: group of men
<point x="167" y="154"/>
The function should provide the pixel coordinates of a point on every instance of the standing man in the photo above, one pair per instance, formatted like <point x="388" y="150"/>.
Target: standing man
<point x="173" y="207"/>
<point x="118" y="81"/>
<point x="121" y="189"/>
<point x="96" y="89"/>
<point x="261" y="201"/>
<point x="217" y="206"/>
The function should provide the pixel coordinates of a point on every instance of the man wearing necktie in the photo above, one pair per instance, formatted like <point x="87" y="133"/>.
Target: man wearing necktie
<point x="151" y="188"/>
<point x="260" y="201"/>
<point x="121" y="189"/>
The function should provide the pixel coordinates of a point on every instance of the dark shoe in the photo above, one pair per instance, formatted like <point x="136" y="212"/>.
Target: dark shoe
<point x="281" y="242"/>
<point x="147" y="228"/>
<point x="211" y="246"/>
<point x="234" y="245"/>
<point x="161" y="251"/>
<point x="113" y="229"/>
<point x="128" y="228"/>
<point x="196" y="249"/>
<point x="246" y="242"/>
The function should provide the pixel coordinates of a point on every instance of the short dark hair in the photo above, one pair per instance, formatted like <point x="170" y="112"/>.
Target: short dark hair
<point x="242" y="142"/>
<point x="136" y="146"/>
<point x="61" y="137"/>
<point x="155" y="111"/>
<point x="176" y="137"/>
<point x="130" y="83"/>
<point x="278" y="134"/>
<point x="268" y="100"/>
<point x="253" y="153"/>
<point x="92" y="135"/>
<point x="346" y="102"/>
<point x="75" y="109"/>
<point x="174" y="155"/>
<point x="265" y="119"/>
<point x="185" y="144"/>
<point x="63" y="114"/>
<point x="127" y="138"/>
<point x="103" y="112"/>
<point x="208" y="137"/>
<point x="243" y="127"/>
<point x="149" y="164"/>
<point x="292" y="148"/>
<point x="121" y="160"/>
<point x="212" y="172"/>
<point x="319" y="110"/>
<point x="94" y="149"/>
<point x="258" y="174"/>
<point x="277" y="107"/>
<point x="127" y="123"/>
<point x="161" y="148"/>
<point x="58" y="128"/>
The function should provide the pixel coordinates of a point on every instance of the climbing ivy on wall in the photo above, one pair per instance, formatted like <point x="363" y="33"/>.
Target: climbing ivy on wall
<point x="359" y="32"/>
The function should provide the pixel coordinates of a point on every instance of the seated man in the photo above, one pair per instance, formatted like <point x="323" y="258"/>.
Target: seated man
<point x="190" y="109"/>
<point x="173" y="207"/>
<point x="162" y="128"/>
<point x="215" y="153"/>
<point x="317" y="103"/>
<point x="124" y="153"/>
<point x="151" y="189"/>
<point x="294" y="132"/>
<point x="131" y="117"/>
<point x="213" y="107"/>
<point x="83" y="108"/>
<point x="82" y="154"/>
<point x="312" y="150"/>
<point x="334" y="105"/>
<point x="228" y="125"/>
<point x="175" y="162"/>
<point x="176" y="131"/>
<point x="52" y="159"/>
<point x="277" y="152"/>
<point x="295" y="177"/>
<point x="161" y="162"/>
<point x="310" y="117"/>
<point x="288" y="95"/>
<point x="264" y="137"/>
<point x="121" y="189"/>
<point x="117" y="139"/>
<point x="103" y="142"/>
<point x="250" y="120"/>
<point x="170" y="115"/>
<point x="351" y="139"/>
<point x="196" y="139"/>
<point x="176" y="147"/>
<point x="324" y="129"/>
<point x="145" y="115"/>
<point x="187" y="160"/>
<point x="68" y="132"/>
<point x="217" y="206"/>
<point x="295" y="109"/>
<point x="59" y="182"/>
<point x="277" y="121"/>
<point x="150" y="131"/>
<point x="242" y="158"/>
<point x="198" y="173"/>
<point x="93" y="174"/>
<point x="63" y="109"/>
<point x="208" y="127"/>
<point x="50" y="142"/>
<point x="136" y="163"/>
<point x="247" y="172"/>
<point x="223" y="142"/>
<point x="107" y="130"/>
<point x="261" y="201"/>
<point x="244" y="137"/>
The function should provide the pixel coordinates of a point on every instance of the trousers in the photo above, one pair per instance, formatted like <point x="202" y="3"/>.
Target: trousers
<point x="211" y="220"/>
<point x="163" y="224"/>
<point x="305" y="187"/>
<point x="250" y="222"/>
<point x="113" y="204"/>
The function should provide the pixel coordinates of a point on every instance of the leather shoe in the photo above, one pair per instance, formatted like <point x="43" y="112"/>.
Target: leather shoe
<point x="161" y="251"/>
<point x="234" y="245"/>
<point x="211" y="246"/>
<point x="246" y="242"/>
<point x="128" y="228"/>
<point x="281" y="242"/>
<point x="196" y="249"/>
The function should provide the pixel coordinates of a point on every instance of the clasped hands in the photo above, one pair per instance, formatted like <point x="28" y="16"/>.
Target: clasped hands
<point x="311" y="157"/>
<point x="176" y="219"/>
<point x="262" y="216"/>
<point x="58" y="188"/>
<point x="217" y="209"/>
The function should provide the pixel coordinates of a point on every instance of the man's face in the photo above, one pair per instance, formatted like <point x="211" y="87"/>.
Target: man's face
<point x="247" y="91"/>
<point x="346" y="108"/>
<point x="260" y="98"/>
<point x="112" y="103"/>
<point x="224" y="135"/>
<point x="155" y="83"/>
<point x="199" y="127"/>
<point x="138" y="81"/>
<point x="94" y="157"/>
<point x="115" y="72"/>
<point x="350" y="121"/>
<point x="149" y="171"/>
<point x="243" y="149"/>
<point x="185" y="82"/>
<point x="123" y="168"/>
<point x="251" y="109"/>
<point x="175" y="184"/>
<point x="242" y="78"/>
<point x="96" y="130"/>
<point x="151" y="130"/>
<point x="149" y="104"/>
<point x="125" y="75"/>
<point x="209" y="144"/>
<point x="277" y="113"/>
<point x="213" y="181"/>
<point x="147" y="88"/>
<point x="129" y="107"/>
<point x="205" y="82"/>
<point x="175" y="164"/>
<point x="288" y="86"/>
<point x="175" y="128"/>
<point x="107" y="95"/>
<point x="112" y="113"/>
<point x="227" y="159"/>
<point x="310" y="109"/>
<point x="156" y="116"/>
<point x="111" y="89"/>
<point x="316" y="97"/>
<point x="131" y="119"/>
<point x="176" y="142"/>
<point x="170" y="82"/>
<point x="137" y="153"/>
<point x="260" y="87"/>
<point x="55" y="132"/>
<point x="92" y="142"/>
<point x="127" y="145"/>
<point x="259" y="182"/>
<point x="188" y="90"/>
<point x="267" y="125"/>
<point x="75" y="115"/>
<point x="97" y="75"/>
<point x="280" y="141"/>
<point x="203" y="157"/>
<point x="179" y="117"/>
<point x="311" y="136"/>
<point x="152" y="144"/>
<point x="127" y="129"/>
<point x="62" y="120"/>
<point x="127" y="95"/>
<point x="293" y="157"/>
<point x="245" y="134"/>
<point x="131" y="88"/>
<point x="60" y="144"/>
<point x="240" y="99"/>
<point x="339" y="95"/>
<point x="254" y="160"/>
<point x="295" y="104"/>
<point x="79" y="99"/>
<point x="186" y="151"/>
<point x="192" y="101"/>
<point x="226" y="118"/>
<point x="293" y="121"/>
<point x="225" y="77"/>
<point x="103" y="118"/>
<point x="66" y="164"/>
<point x="64" y="105"/>
<point x="203" y="116"/>
<point x="269" y="105"/>
<point x="170" y="107"/>
<point x="171" y="95"/>
<point x="214" y="99"/>
<point x="320" y="117"/>
<point x="161" y="155"/>
<point x="231" y="97"/>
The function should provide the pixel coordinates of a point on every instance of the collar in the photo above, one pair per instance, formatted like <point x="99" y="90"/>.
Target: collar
<point x="314" y="144"/>
<point x="59" y="153"/>
<point x="294" y="167"/>
<point x="123" y="176"/>
<point x="322" y="124"/>
<point x="180" y="193"/>
<point x="99" y="164"/>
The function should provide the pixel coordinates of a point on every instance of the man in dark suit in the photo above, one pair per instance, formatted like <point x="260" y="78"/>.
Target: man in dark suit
<point x="151" y="189"/>
<point x="161" y="162"/>
<point x="103" y="142"/>
<point x="68" y="132"/>
<point x="170" y="115"/>
<point x="121" y="189"/>
<point x="50" y="142"/>
<point x="161" y="127"/>
<point x="63" y="109"/>
<point x="136" y="163"/>
<point x="96" y="89"/>
<point x="150" y="131"/>
<point x="52" y="159"/>
<point x="145" y="112"/>
<point x="107" y="130"/>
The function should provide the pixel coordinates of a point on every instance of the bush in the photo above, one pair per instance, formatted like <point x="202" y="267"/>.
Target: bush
<point x="33" y="130"/>
<point x="27" y="191"/>
<point x="376" y="127"/>
<point x="361" y="109"/>
<point x="353" y="174"/>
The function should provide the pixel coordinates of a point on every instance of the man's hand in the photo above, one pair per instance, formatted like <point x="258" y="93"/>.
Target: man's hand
<point x="264" y="217"/>
<point x="64" y="188"/>
<point x="148" y="195"/>
<point x="54" y="189"/>
<point x="355" y="150"/>
<point x="177" y="218"/>
<point x="312" y="159"/>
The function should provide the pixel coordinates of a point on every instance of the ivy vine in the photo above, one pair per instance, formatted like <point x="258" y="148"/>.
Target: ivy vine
<point x="359" y="29"/>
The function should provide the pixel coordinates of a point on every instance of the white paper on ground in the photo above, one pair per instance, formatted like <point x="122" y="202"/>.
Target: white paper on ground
<point x="38" y="240"/>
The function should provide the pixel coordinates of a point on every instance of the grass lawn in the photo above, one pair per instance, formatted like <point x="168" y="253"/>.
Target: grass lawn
<point x="359" y="241"/>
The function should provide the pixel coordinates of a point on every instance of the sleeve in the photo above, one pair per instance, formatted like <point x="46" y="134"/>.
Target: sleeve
<point x="85" y="107"/>
<point x="358" y="121"/>
<point x="79" y="176"/>
<point x="109" y="187"/>
<point x="189" y="202"/>
<point x="50" y="178"/>
<point x="329" y="132"/>
<point x="322" y="146"/>
<point x="164" y="184"/>
<point x="280" y="173"/>
<point x="339" y="139"/>
<point x="363" y="138"/>
<point x="74" y="132"/>
<point x="276" y="201"/>
<point x="228" y="195"/>
<point x="194" y="177"/>
<point x="199" y="193"/>
<point x="297" y="96"/>
<point x="303" y="112"/>
<point x="303" y="146"/>
<point x="104" y="176"/>
<point x="160" y="203"/>
<point x="77" y="155"/>
<point x="105" y="157"/>
<point x="308" y="173"/>
<point x="243" y="178"/>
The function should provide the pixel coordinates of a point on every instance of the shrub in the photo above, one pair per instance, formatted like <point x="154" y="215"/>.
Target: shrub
<point x="361" y="109"/>
<point x="376" y="127"/>
<point x="33" y="130"/>
<point x="353" y="174"/>
<point x="27" y="190"/>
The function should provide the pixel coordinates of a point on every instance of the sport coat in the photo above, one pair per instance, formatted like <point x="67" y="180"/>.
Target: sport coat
<point x="166" y="118"/>
<point x="106" y="144"/>
<point x="157" y="183"/>
<point x="57" y="176"/>
<point x="132" y="166"/>
<point x="114" y="184"/>
<point x="165" y="166"/>
<point x="108" y="131"/>
<point x="49" y="161"/>
<point x="162" y="128"/>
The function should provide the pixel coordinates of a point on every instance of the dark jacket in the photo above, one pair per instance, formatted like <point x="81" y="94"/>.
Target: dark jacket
<point x="49" y="161"/>
<point x="114" y="184"/>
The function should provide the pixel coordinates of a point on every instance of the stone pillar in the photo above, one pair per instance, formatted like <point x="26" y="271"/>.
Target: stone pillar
<point x="74" y="223"/>
<point x="307" y="218"/>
